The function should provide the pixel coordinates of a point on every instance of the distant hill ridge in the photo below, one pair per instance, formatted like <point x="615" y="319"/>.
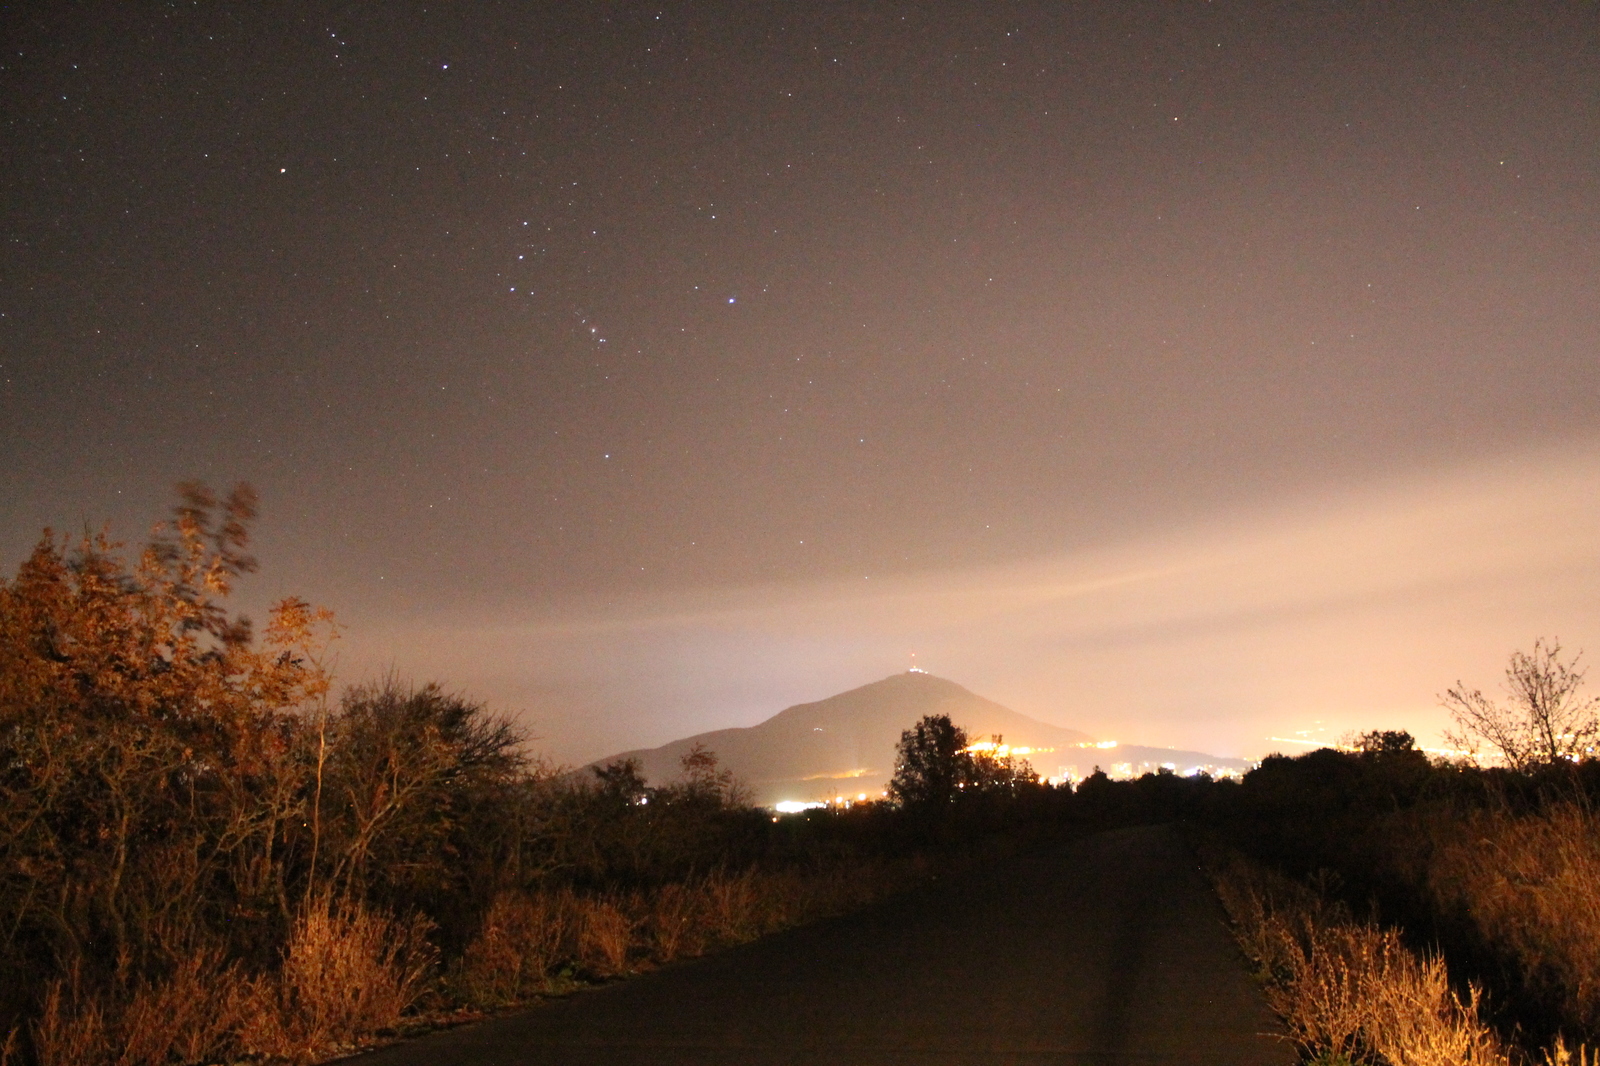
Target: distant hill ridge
<point x="844" y="745"/>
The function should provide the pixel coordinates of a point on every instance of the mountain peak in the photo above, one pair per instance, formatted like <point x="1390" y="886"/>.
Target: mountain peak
<point x="845" y="744"/>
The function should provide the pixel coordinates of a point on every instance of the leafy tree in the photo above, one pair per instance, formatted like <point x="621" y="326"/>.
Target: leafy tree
<point x="931" y="763"/>
<point x="622" y="782"/>
<point x="705" y="782"/>
<point x="990" y="773"/>
<point x="1385" y="742"/>
<point x="935" y="764"/>
<point x="1546" y="721"/>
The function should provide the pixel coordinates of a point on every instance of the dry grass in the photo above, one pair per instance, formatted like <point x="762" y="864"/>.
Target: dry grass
<point x="189" y="1017"/>
<point x="606" y="937"/>
<point x="1531" y="886"/>
<point x="531" y="942"/>
<point x="347" y="973"/>
<point x="1349" y="989"/>
<point x="672" y="921"/>
<point x="71" y="1028"/>
<point x="736" y="906"/>
<point x="1560" y="1055"/>
<point x="522" y="939"/>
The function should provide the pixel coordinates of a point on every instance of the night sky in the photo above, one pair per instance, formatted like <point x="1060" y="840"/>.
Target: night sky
<point x="1189" y="373"/>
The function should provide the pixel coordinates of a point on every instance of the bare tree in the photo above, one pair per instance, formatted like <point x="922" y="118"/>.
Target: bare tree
<point x="1546" y="721"/>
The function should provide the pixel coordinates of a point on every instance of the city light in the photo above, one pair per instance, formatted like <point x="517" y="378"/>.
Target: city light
<point x="1001" y="751"/>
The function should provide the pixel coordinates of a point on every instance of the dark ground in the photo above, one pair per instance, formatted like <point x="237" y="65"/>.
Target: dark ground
<point x="1111" y="949"/>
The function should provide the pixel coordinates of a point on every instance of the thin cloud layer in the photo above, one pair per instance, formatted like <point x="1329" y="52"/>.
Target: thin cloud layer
<point x="1327" y="614"/>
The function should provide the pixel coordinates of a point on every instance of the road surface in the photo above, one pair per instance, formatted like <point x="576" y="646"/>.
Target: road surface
<point x="1111" y="949"/>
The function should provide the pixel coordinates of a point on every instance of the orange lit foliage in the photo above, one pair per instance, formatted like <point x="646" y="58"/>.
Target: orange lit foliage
<point x="145" y="776"/>
<point x="203" y="858"/>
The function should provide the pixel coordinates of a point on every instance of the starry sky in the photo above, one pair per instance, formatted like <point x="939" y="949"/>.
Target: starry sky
<point x="1191" y="373"/>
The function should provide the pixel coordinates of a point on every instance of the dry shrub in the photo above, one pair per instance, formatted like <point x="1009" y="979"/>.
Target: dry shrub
<point x="188" y="1017"/>
<point x="347" y="973"/>
<point x="1350" y="989"/>
<point x="733" y="906"/>
<point x="606" y="938"/>
<point x="1415" y="1015"/>
<point x="528" y="937"/>
<point x="671" y="922"/>
<point x="71" y="1028"/>
<point x="1531" y="886"/>
<point x="522" y="938"/>
<point x="191" y="1016"/>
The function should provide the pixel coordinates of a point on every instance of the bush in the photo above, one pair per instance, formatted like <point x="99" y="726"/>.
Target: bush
<point x="1529" y="885"/>
<point x="1350" y="991"/>
<point x="347" y="973"/>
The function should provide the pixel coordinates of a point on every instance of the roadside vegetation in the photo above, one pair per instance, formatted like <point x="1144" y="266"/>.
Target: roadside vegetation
<point x="1404" y="909"/>
<point x="1347" y="990"/>
<point x="207" y="854"/>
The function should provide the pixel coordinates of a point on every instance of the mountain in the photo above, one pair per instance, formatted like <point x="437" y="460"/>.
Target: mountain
<point x="844" y="745"/>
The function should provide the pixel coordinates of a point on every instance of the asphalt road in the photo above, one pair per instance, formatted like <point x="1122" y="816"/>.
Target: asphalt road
<point x="1111" y="949"/>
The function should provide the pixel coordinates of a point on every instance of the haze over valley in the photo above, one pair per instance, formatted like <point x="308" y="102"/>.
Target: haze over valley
<point x="843" y="747"/>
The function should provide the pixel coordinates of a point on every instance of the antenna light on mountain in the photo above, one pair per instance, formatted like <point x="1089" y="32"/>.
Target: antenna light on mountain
<point x="915" y="669"/>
